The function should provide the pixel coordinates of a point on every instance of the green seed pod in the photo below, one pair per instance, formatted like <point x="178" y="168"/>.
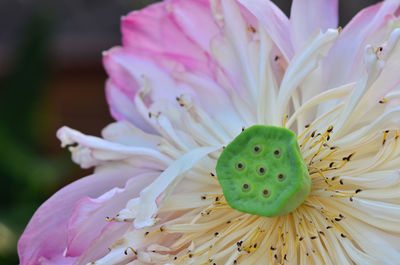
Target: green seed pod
<point x="262" y="172"/>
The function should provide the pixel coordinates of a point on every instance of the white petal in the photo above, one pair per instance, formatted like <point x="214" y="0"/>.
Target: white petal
<point x="165" y="183"/>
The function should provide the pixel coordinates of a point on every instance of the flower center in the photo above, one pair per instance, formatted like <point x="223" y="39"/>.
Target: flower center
<point x="262" y="172"/>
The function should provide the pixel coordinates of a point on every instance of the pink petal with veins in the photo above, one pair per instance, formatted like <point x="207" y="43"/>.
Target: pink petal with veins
<point x="87" y="218"/>
<point x="321" y="15"/>
<point x="155" y="30"/>
<point x="47" y="230"/>
<point x="274" y="21"/>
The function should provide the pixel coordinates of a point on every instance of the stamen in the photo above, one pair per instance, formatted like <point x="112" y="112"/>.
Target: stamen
<point x="130" y="248"/>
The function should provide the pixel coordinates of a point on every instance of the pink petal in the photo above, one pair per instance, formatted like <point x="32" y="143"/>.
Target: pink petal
<point x="45" y="237"/>
<point x="196" y="21"/>
<point x="307" y="16"/>
<point x="164" y="86"/>
<point x="99" y="247"/>
<point x="56" y="260"/>
<point x="122" y="64"/>
<point x="154" y="30"/>
<point x="87" y="218"/>
<point x="274" y="21"/>
<point x="122" y="106"/>
<point x="350" y="45"/>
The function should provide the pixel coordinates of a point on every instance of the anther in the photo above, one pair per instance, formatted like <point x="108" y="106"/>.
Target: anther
<point x="347" y="158"/>
<point x="251" y="29"/>
<point x="379" y="49"/>
<point x="126" y="250"/>
<point x="108" y="219"/>
<point x="313" y="133"/>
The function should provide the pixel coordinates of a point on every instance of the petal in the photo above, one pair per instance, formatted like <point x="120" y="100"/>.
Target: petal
<point x="165" y="183"/>
<point x="302" y="64"/>
<point x="122" y="107"/>
<point x="377" y="243"/>
<point x="196" y="20"/>
<point x="120" y="63"/>
<point x="274" y="21"/>
<point x="163" y="87"/>
<point x="100" y="246"/>
<point x="127" y="134"/>
<point x="93" y="151"/>
<point x="56" y="260"/>
<point x="87" y="218"/>
<point x="237" y="35"/>
<point x="308" y="16"/>
<point x="154" y="30"/>
<point x="349" y="46"/>
<point x="48" y="226"/>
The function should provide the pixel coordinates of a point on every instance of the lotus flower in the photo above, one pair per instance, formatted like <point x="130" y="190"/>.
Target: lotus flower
<point x="189" y="77"/>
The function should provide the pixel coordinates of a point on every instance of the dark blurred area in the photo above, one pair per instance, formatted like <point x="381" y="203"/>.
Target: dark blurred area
<point x="51" y="75"/>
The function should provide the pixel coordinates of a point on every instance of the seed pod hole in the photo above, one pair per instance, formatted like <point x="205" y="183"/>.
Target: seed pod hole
<point x="281" y="177"/>
<point x="277" y="153"/>
<point x="257" y="149"/>
<point x="245" y="187"/>
<point x="240" y="166"/>
<point x="261" y="170"/>
<point x="265" y="192"/>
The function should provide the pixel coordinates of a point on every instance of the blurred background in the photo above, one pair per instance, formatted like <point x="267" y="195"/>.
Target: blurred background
<point x="51" y="75"/>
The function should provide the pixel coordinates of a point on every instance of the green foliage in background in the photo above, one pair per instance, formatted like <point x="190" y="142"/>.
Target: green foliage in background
<point x="28" y="175"/>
